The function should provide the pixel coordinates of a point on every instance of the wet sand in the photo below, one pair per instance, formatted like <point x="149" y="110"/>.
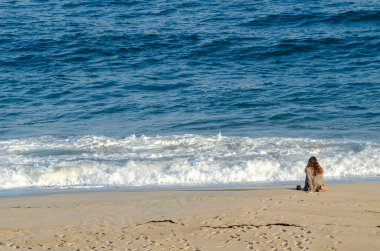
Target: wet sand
<point x="347" y="217"/>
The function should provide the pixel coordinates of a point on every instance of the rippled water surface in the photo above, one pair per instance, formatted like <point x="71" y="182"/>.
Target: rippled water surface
<point x="284" y="71"/>
<point x="273" y="68"/>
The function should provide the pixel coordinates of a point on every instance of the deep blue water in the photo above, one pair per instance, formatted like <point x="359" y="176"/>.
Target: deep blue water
<point x="249" y="68"/>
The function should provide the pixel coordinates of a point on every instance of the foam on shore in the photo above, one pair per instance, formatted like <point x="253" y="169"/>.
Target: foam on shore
<point x="86" y="161"/>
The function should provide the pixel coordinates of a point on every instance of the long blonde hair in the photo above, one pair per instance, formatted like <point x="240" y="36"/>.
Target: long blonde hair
<point x="314" y="164"/>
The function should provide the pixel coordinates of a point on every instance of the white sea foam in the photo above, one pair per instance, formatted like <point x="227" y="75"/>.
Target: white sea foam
<point x="176" y="160"/>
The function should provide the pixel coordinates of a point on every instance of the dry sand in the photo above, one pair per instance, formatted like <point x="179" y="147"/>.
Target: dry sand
<point x="347" y="217"/>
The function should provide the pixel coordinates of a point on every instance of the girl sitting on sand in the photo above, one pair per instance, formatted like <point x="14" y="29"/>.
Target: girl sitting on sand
<point x="314" y="176"/>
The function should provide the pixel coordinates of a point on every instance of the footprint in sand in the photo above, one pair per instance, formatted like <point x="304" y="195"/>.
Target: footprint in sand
<point x="218" y="218"/>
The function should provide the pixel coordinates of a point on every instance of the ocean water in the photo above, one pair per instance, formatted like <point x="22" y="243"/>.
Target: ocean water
<point x="157" y="93"/>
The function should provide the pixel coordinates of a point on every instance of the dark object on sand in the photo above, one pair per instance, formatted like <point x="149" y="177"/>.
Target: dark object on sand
<point x="298" y="187"/>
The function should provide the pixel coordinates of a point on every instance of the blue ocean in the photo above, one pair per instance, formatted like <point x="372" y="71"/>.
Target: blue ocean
<point x="187" y="93"/>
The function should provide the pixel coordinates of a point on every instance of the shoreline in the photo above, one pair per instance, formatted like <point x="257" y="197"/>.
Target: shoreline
<point x="347" y="217"/>
<point x="31" y="191"/>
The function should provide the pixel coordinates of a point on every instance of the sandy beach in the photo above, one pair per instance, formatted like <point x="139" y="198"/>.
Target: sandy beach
<point x="347" y="217"/>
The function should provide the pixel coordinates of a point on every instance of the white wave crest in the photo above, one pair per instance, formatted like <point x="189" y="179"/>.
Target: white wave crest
<point x="176" y="160"/>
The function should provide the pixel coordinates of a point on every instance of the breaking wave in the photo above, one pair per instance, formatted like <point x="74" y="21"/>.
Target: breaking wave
<point x="87" y="161"/>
